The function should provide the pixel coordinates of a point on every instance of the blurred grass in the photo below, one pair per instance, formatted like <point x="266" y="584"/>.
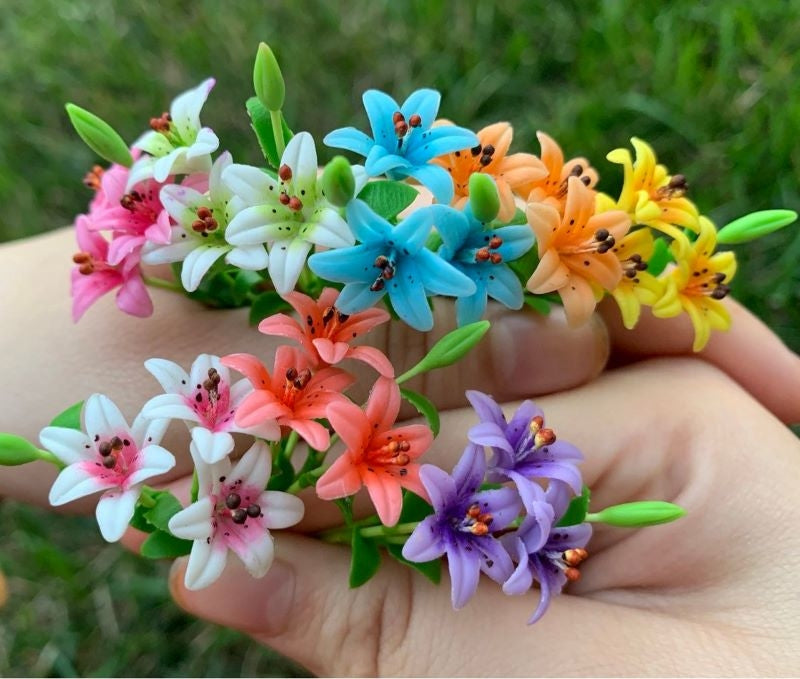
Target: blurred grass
<point x="711" y="85"/>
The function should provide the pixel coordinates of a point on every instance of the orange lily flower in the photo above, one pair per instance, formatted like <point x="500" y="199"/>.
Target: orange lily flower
<point x="552" y="188"/>
<point x="575" y="257"/>
<point x="510" y="172"/>
<point x="698" y="283"/>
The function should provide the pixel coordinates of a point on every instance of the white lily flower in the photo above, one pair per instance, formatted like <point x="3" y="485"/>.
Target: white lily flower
<point x="233" y="512"/>
<point x="207" y="400"/>
<point x="107" y="456"/>
<point x="177" y="144"/>
<point x="198" y="239"/>
<point x="290" y="212"/>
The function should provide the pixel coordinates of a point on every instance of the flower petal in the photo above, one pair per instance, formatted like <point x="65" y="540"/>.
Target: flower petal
<point x="171" y="406"/>
<point x="114" y="511"/>
<point x="442" y="278"/>
<point x="254" y="467"/>
<point x="465" y="568"/>
<point x="212" y="446"/>
<point x="440" y="485"/>
<point x="151" y="461"/>
<point x="248" y="257"/>
<point x="350" y="139"/>
<point x="102" y="417"/>
<point x="339" y="480"/>
<point x="206" y="563"/>
<point x="281" y="510"/>
<point x="286" y="260"/>
<point x="193" y="522"/>
<point x="425" y="543"/>
<point x="409" y="297"/>
<point x="521" y="579"/>
<point x="386" y="495"/>
<point x="435" y="178"/>
<point x="253" y="186"/>
<point x="197" y="264"/>
<point x="68" y="445"/>
<point x="380" y="108"/>
<point x="73" y="482"/>
<point x="312" y="432"/>
<point x="172" y="378"/>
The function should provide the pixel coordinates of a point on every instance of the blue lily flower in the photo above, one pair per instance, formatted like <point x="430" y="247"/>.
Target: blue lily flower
<point x="482" y="255"/>
<point x="390" y="259"/>
<point x="403" y="141"/>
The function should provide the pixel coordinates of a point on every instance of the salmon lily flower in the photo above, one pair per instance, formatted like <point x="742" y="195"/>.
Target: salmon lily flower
<point x="378" y="457"/>
<point x="698" y="283"/>
<point x="552" y="188"/>
<point x="325" y="332"/>
<point x="574" y="250"/>
<point x="490" y="156"/>
<point x="292" y="395"/>
<point x="650" y="195"/>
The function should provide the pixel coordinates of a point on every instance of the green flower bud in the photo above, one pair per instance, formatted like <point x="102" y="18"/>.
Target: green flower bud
<point x="632" y="514"/>
<point x="483" y="197"/>
<point x="268" y="79"/>
<point x="99" y="136"/>
<point x="451" y="348"/>
<point x="16" y="450"/>
<point x="755" y="225"/>
<point x="338" y="182"/>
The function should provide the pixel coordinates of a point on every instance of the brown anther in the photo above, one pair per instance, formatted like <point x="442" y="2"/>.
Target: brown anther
<point x="486" y="518"/>
<point x="405" y="446"/>
<point x="605" y="245"/>
<point x="397" y="117"/>
<point x="536" y="424"/>
<point x="104" y="449"/>
<point x="81" y="257"/>
<point x="342" y="318"/>
<point x="717" y="277"/>
<point x="208" y="385"/>
<point x="482" y="255"/>
<point x="495" y="257"/>
<point x="110" y="462"/>
<point x="92" y="178"/>
<point x="415" y="120"/>
<point x="488" y="150"/>
<point x="402" y="459"/>
<point x="635" y="258"/>
<point x="213" y="374"/>
<point x="573" y="557"/>
<point x="302" y="379"/>
<point x="678" y="183"/>
<point x="393" y="447"/>
<point x="479" y="529"/>
<point x="641" y="266"/>
<point x="198" y="225"/>
<point x="285" y="173"/>
<point x="485" y="159"/>
<point x="586" y="180"/>
<point x="211" y="224"/>
<point x="495" y="242"/>
<point x="576" y="171"/>
<point x="720" y="292"/>
<point x="127" y="201"/>
<point x="601" y="235"/>
<point x="253" y="511"/>
<point x="291" y="374"/>
<point x="400" y="128"/>
<point x="327" y="315"/>
<point x="388" y="272"/>
<point x="573" y="574"/>
<point x="295" y="204"/>
<point x="116" y="443"/>
<point x="544" y="437"/>
<point x="476" y="150"/>
<point x="377" y="286"/>
<point x="381" y="262"/>
<point x="203" y="212"/>
<point x="284" y="198"/>
<point x="86" y="268"/>
<point x="239" y="515"/>
<point x="233" y="500"/>
<point x="474" y="510"/>
<point x="630" y="273"/>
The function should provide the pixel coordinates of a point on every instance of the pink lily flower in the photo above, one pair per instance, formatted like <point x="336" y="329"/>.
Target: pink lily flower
<point x="207" y="398"/>
<point x="378" y="457"/>
<point x="94" y="276"/>
<point x="107" y="456"/>
<point x="293" y="395"/>
<point x="326" y="332"/>
<point x="233" y="512"/>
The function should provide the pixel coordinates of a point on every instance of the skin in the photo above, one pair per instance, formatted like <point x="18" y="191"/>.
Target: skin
<point x="706" y="595"/>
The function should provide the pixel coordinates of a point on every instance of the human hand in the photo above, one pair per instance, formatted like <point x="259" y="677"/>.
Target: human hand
<point x="713" y="593"/>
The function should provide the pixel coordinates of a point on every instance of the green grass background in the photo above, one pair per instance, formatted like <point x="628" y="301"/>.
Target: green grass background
<point x="712" y="85"/>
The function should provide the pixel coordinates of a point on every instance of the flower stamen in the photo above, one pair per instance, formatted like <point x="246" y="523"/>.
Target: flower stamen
<point x="475" y="521"/>
<point x="93" y="177"/>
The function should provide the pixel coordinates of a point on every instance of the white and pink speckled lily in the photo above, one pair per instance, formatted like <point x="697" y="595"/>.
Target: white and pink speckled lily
<point x="205" y="399"/>
<point x="233" y="512"/>
<point x="108" y="455"/>
<point x="177" y="144"/>
<point x="289" y="213"/>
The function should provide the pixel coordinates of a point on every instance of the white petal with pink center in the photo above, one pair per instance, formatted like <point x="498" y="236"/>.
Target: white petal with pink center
<point x="109" y="456"/>
<point x="233" y="512"/>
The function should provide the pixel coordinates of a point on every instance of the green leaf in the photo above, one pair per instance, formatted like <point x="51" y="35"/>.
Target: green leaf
<point x="365" y="559"/>
<point x="69" y="418"/>
<point x="430" y="569"/>
<point x="138" y="520"/>
<point x="424" y="407"/>
<point x="660" y="258"/>
<point x="167" y="505"/>
<point x="99" y="136"/>
<point x="634" y="514"/>
<point x="536" y="302"/>
<point x="262" y="126"/>
<point x="161" y="545"/>
<point x="15" y="450"/>
<point x="755" y="225"/>
<point x="484" y="201"/>
<point x="195" y="486"/>
<point x="576" y="512"/>
<point x="388" y="198"/>
<point x="338" y="183"/>
<point x="244" y="282"/>
<point x="449" y="349"/>
<point x="267" y="304"/>
<point x="414" y="508"/>
<point x="282" y="473"/>
<point x="268" y="79"/>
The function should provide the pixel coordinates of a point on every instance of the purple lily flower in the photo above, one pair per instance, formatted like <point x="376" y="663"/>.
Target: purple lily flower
<point x="523" y="449"/>
<point x="547" y="553"/>
<point x="462" y="524"/>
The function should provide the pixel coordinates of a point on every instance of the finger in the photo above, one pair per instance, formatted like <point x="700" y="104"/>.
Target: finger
<point x="750" y="353"/>
<point x="399" y="624"/>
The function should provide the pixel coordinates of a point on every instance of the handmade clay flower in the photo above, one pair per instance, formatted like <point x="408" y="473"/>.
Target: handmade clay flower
<point x="524" y="449"/>
<point x="490" y="156"/>
<point x="207" y="398"/>
<point x="233" y="512"/>
<point x="288" y="212"/>
<point x="325" y="332"/>
<point x="176" y="143"/>
<point x="403" y="142"/>
<point x="293" y="395"/>
<point x="93" y="276"/>
<point x="698" y="284"/>
<point x="108" y="456"/>
<point x="394" y="260"/>
<point x="462" y="525"/>
<point x="552" y="188"/>
<point x="574" y="250"/>
<point x="482" y="254"/>
<point x="377" y="456"/>
<point x="199" y="237"/>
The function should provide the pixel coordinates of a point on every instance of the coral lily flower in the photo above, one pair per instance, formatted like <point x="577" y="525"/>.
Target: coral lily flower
<point x="552" y="188"/>
<point x="490" y="156"/>
<point x="574" y="250"/>
<point x="650" y="195"/>
<point x="293" y="395"/>
<point x="325" y="333"/>
<point x="698" y="283"/>
<point x="378" y="457"/>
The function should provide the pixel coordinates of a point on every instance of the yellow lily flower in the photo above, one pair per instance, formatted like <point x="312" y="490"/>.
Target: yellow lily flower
<point x="698" y="283"/>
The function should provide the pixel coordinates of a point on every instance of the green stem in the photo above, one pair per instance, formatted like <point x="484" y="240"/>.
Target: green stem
<point x="146" y="497"/>
<point x="380" y="531"/>
<point x="291" y="442"/>
<point x="47" y="456"/>
<point x="161" y="283"/>
<point x="408" y="374"/>
<point x="277" y="131"/>
<point x="592" y="518"/>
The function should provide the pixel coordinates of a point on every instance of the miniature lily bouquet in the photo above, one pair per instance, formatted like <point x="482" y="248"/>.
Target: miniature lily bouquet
<point x="323" y="257"/>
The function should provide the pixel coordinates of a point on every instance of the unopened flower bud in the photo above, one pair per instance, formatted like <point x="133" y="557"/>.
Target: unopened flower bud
<point x="338" y="183"/>
<point x="484" y="201"/>
<point x="268" y="79"/>
<point x="99" y="136"/>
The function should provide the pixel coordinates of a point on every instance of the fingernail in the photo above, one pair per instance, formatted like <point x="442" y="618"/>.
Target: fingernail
<point x="237" y="600"/>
